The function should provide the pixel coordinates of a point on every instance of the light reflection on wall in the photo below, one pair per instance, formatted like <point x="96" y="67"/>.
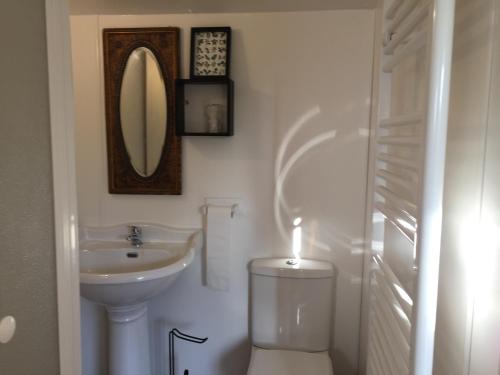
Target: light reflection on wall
<point x="479" y="244"/>
<point x="283" y="212"/>
<point x="282" y="171"/>
<point x="297" y="237"/>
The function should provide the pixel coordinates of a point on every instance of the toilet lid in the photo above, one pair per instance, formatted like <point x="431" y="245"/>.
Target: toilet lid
<point x="288" y="362"/>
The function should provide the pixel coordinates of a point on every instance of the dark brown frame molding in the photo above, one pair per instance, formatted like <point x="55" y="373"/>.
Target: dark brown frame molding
<point x="118" y="45"/>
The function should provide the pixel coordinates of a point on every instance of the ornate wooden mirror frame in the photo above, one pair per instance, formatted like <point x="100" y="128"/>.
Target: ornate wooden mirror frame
<point x="118" y="46"/>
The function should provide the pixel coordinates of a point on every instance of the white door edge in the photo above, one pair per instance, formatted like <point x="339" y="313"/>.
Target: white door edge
<point x="64" y="178"/>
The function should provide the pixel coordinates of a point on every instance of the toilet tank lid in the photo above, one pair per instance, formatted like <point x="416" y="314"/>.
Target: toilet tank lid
<point x="292" y="268"/>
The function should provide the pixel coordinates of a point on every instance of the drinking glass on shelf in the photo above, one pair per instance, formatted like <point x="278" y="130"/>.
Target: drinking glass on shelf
<point x="213" y="114"/>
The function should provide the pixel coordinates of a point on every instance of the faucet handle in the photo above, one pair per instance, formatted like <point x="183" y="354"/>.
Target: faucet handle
<point x="135" y="230"/>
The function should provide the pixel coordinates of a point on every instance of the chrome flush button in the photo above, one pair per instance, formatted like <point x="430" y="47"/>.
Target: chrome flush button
<point x="291" y="262"/>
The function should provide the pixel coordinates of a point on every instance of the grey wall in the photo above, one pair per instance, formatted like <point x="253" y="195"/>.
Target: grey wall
<point x="27" y="253"/>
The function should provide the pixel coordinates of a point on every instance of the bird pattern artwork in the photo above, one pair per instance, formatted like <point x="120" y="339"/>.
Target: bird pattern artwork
<point x="211" y="54"/>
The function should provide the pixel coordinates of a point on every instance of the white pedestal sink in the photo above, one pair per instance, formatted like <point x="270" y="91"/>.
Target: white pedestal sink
<point x="123" y="278"/>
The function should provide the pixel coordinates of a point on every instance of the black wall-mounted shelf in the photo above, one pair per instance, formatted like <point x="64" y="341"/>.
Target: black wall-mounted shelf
<point x="194" y="97"/>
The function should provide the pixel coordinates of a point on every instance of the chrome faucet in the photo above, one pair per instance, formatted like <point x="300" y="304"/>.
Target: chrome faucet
<point x="135" y="236"/>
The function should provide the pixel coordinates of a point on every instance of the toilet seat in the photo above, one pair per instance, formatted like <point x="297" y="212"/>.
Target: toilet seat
<point x="288" y="362"/>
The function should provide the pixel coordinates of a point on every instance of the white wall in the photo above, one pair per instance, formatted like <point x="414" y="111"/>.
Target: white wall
<point x="465" y="158"/>
<point x="302" y="97"/>
<point x="468" y="305"/>
<point x="485" y="346"/>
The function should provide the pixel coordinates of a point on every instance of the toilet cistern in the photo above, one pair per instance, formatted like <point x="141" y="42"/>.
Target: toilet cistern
<point x="290" y="315"/>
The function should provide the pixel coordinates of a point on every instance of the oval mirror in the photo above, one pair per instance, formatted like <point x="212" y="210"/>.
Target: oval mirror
<point x="143" y="111"/>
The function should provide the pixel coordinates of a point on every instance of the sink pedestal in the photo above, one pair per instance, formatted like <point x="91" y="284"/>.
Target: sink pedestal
<point x="123" y="278"/>
<point x="129" y="340"/>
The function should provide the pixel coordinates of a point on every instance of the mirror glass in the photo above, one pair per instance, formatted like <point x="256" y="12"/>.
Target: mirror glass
<point x="143" y="111"/>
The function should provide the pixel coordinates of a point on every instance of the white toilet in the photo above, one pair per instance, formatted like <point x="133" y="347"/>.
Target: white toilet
<point x="290" y="317"/>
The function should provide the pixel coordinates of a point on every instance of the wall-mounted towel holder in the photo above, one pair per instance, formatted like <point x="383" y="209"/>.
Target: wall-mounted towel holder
<point x="234" y="208"/>
<point x="233" y="203"/>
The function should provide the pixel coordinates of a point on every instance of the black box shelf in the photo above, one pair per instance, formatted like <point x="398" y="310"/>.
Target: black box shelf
<point x="204" y="107"/>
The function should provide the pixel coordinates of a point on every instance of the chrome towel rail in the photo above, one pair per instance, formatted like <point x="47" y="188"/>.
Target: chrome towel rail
<point x="409" y="25"/>
<point x="393" y="8"/>
<point x="398" y="161"/>
<point x="397" y="221"/>
<point x="397" y="201"/>
<point x="395" y="179"/>
<point x="418" y="41"/>
<point x="394" y="306"/>
<point x="402" y="120"/>
<point x="411" y="141"/>
<point x="406" y="182"/>
<point x="401" y="15"/>
<point x="397" y="288"/>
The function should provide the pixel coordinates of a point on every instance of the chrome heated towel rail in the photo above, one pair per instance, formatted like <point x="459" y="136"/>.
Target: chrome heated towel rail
<point x="407" y="170"/>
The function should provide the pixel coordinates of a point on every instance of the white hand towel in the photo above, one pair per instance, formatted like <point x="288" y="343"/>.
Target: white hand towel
<point x="218" y="247"/>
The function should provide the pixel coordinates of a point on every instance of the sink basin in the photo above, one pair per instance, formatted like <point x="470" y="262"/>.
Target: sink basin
<point x="123" y="278"/>
<point x="113" y="273"/>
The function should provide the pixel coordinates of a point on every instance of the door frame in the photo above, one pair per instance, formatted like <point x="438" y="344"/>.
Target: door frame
<point x="62" y="125"/>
